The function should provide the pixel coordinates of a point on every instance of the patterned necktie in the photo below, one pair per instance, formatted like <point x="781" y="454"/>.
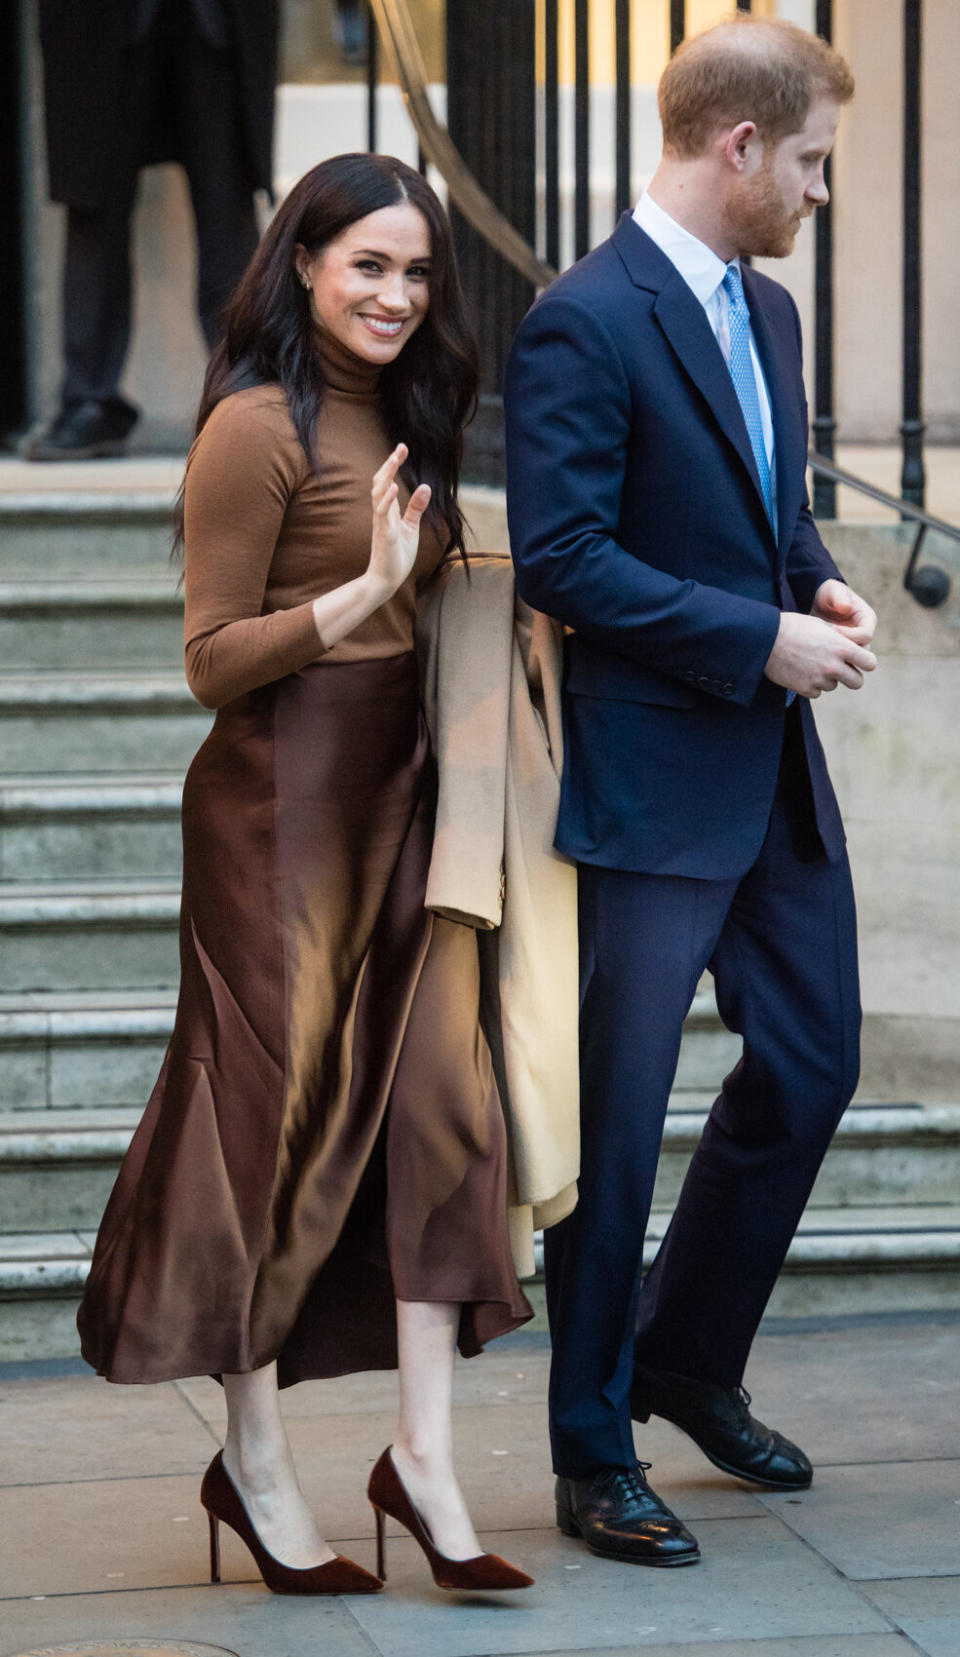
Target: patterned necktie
<point x="744" y="378"/>
<point x="745" y="386"/>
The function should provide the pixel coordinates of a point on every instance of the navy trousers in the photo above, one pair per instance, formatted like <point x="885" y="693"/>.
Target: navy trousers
<point x="781" y="945"/>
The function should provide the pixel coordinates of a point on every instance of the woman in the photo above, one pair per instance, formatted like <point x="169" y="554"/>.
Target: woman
<point x="318" y="1183"/>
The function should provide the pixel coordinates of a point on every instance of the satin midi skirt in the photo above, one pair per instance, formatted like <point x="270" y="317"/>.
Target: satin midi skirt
<point x="325" y="1135"/>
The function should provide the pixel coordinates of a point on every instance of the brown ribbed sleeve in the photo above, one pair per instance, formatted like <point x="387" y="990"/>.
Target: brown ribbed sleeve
<point x="242" y="473"/>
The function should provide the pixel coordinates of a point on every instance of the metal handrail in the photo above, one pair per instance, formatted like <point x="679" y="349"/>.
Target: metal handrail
<point x="928" y="584"/>
<point x="398" y="33"/>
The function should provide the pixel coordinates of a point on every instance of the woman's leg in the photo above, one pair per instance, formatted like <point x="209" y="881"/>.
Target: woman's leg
<point x="257" y="1457"/>
<point x="423" y="1448"/>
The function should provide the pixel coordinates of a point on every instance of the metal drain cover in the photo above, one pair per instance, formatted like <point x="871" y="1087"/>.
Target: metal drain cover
<point x="129" y="1648"/>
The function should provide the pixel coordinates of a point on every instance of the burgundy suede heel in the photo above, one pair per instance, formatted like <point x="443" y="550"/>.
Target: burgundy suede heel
<point x="220" y="1497"/>
<point x="388" y="1496"/>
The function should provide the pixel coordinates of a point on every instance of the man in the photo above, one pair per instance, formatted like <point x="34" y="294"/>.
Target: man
<point x="657" y="434"/>
<point x="127" y="83"/>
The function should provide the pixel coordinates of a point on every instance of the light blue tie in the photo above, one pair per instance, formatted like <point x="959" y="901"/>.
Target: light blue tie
<point x="744" y="378"/>
<point x="745" y="386"/>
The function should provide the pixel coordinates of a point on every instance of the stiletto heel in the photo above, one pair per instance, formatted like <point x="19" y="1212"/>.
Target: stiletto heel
<point x="214" y="1524"/>
<point x="381" y="1544"/>
<point x="387" y="1495"/>
<point x="339" y="1575"/>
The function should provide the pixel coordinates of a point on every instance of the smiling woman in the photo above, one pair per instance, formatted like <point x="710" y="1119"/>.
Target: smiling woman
<point x="370" y="288"/>
<point x="319" y="1182"/>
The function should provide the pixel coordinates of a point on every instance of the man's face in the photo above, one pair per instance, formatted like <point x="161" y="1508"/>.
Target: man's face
<point x="782" y="185"/>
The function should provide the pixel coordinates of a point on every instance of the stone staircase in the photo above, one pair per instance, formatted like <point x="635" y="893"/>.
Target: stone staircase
<point x="96" y="729"/>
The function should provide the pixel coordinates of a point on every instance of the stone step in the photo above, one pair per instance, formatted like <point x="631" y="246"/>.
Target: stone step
<point x="87" y="1050"/>
<point x="854" y="1262"/>
<point x="88" y="827"/>
<point x="708" y="1050"/>
<point x="841" y="1263"/>
<point x="116" y="721"/>
<point x="57" y="1166"/>
<point x="85" y="533"/>
<point x="90" y="935"/>
<point x="881" y="1155"/>
<point x="81" y="624"/>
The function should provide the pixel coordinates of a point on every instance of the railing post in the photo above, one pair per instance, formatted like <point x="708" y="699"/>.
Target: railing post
<point x="912" y="477"/>
<point x="373" y="72"/>
<point x="824" y="424"/>
<point x="623" y="192"/>
<point x="581" y="137"/>
<point x="678" y="23"/>
<point x="551" y="110"/>
<point x="491" y="89"/>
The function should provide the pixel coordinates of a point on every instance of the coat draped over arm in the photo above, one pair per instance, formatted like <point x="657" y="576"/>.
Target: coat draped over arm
<point x="491" y="670"/>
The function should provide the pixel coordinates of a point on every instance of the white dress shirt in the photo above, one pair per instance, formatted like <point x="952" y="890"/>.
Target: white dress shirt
<point x="704" y="271"/>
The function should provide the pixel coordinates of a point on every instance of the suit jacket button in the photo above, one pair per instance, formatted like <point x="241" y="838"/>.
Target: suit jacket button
<point x="716" y="686"/>
<point x="729" y="689"/>
<point x="690" y="674"/>
<point x="704" y="681"/>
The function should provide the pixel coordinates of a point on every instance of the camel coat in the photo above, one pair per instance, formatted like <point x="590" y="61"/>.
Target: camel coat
<point x="490" y="672"/>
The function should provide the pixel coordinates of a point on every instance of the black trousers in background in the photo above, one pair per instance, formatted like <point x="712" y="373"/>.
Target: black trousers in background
<point x="781" y="944"/>
<point x="192" y="86"/>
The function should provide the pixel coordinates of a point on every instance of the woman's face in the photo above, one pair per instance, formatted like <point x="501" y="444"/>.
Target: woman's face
<point x="370" y="288"/>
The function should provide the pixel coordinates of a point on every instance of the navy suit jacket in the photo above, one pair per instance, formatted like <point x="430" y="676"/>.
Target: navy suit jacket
<point x="636" y="518"/>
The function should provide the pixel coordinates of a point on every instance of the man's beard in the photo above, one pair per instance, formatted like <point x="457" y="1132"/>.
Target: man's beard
<point x="761" y="224"/>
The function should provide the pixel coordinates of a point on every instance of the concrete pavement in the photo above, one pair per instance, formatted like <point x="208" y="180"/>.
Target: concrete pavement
<point x="103" y="1538"/>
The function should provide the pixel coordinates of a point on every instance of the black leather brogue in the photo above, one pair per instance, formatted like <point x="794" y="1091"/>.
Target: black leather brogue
<point x="90" y="430"/>
<point x="617" y="1514"/>
<point x="718" y="1420"/>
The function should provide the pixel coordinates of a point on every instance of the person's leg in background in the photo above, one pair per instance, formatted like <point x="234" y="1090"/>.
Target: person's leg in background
<point x="221" y="182"/>
<point x="94" y="419"/>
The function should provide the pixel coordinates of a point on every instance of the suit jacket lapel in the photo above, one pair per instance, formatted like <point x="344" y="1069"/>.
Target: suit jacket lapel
<point x="789" y="438"/>
<point x="683" y="321"/>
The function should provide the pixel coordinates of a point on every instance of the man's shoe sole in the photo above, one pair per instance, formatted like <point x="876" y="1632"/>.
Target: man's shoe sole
<point x="569" y="1527"/>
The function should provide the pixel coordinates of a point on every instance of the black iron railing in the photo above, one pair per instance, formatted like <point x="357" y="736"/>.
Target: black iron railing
<point x="927" y="583"/>
<point x="493" y="108"/>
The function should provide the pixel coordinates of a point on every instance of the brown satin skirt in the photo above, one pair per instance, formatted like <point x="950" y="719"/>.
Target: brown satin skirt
<point x="325" y="1135"/>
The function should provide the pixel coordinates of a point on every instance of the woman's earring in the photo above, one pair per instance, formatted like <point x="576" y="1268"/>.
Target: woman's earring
<point x="305" y="280"/>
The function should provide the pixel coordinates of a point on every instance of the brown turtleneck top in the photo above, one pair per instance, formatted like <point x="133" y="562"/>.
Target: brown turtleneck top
<point x="264" y="535"/>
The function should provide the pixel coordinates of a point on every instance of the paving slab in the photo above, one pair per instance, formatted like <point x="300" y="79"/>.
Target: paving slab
<point x="898" y="1519"/>
<point x="62" y="1430"/>
<point x="841" y="1645"/>
<point x="886" y="1391"/>
<point x="248" y="1621"/>
<point x="511" y="1371"/>
<point x="929" y="1612"/>
<point x="756" y="1581"/>
<point x="125" y="1534"/>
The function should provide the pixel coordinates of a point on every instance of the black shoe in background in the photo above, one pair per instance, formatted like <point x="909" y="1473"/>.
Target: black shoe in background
<point x="718" y="1420"/>
<point x="90" y="430"/>
<point x="617" y="1514"/>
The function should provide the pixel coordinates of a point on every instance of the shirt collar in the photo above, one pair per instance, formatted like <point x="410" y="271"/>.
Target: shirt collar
<point x="701" y="268"/>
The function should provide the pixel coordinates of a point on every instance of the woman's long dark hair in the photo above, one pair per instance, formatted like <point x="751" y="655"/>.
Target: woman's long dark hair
<point x="427" y="394"/>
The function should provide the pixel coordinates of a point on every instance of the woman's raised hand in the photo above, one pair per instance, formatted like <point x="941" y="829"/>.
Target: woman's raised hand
<point x="393" y="547"/>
